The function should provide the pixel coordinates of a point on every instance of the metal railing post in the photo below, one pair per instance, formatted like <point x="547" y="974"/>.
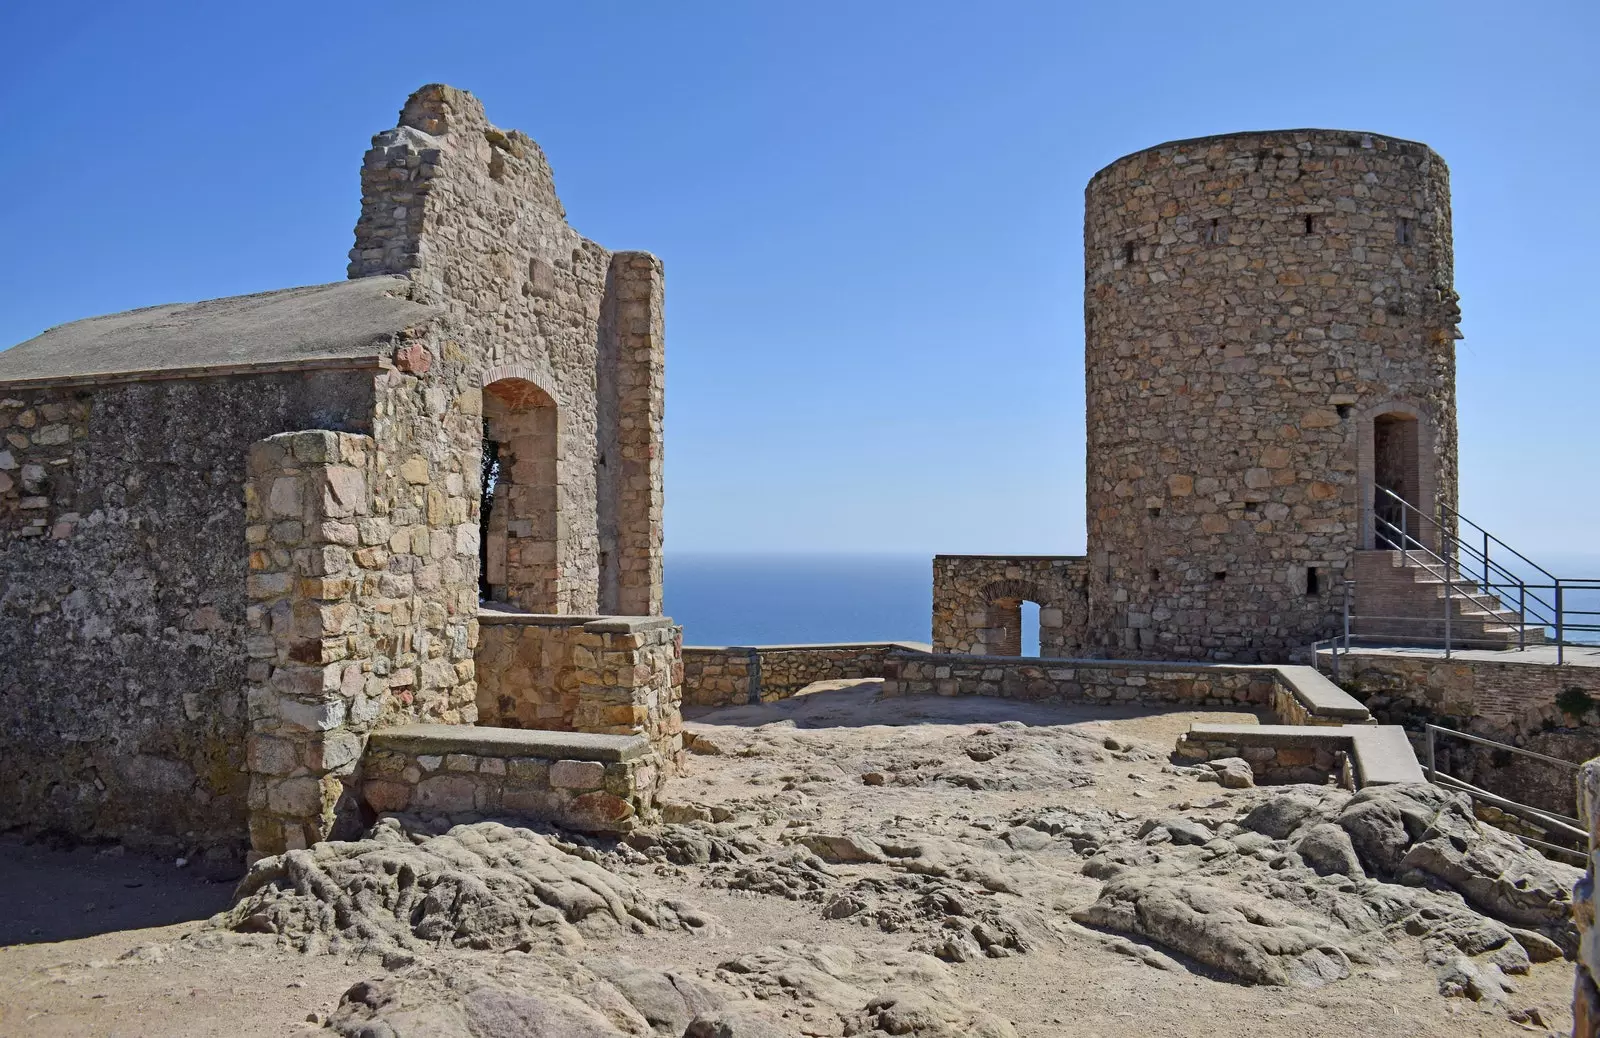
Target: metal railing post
<point x="1347" y="586"/>
<point x="1522" y="614"/>
<point x="1486" y="560"/>
<point x="1431" y="769"/>
<point x="1448" y="585"/>
<point x="1560" y="650"/>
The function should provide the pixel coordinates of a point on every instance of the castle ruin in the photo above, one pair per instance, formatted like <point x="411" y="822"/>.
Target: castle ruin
<point x="239" y="537"/>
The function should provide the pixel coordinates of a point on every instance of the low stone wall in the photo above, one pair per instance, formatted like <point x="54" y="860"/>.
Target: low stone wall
<point x="459" y="773"/>
<point x="1080" y="681"/>
<point x="977" y="603"/>
<point x="618" y="675"/>
<point x="1554" y="710"/>
<point x="1271" y="764"/>
<point x="1296" y="695"/>
<point x="734" y="675"/>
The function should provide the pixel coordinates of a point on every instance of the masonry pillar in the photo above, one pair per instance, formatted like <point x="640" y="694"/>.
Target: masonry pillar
<point x="305" y="494"/>
<point x="633" y="388"/>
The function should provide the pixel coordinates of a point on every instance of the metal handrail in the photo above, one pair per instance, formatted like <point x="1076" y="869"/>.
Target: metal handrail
<point x="1531" y="607"/>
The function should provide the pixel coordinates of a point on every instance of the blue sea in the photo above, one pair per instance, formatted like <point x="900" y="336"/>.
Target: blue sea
<point x="727" y="599"/>
<point x="785" y="599"/>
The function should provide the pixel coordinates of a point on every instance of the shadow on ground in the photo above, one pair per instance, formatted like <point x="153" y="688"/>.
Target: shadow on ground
<point x="61" y="895"/>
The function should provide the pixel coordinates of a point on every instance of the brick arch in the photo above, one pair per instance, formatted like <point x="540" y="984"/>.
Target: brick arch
<point x="1002" y="630"/>
<point x="512" y="373"/>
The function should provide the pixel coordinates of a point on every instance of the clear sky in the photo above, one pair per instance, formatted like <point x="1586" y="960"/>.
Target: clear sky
<point x="870" y="213"/>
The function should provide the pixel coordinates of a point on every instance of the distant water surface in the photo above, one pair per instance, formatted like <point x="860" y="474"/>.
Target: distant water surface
<point x="724" y="599"/>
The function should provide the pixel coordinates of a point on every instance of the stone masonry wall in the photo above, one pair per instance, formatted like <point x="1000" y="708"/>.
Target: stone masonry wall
<point x="1252" y="303"/>
<point x="342" y="637"/>
<point x="123" y="623"/>
<point x="537" y="784"/>
<point x="611" y="675"/>
<point x="736" y="675"/>
<point x="718" y="676"/>
<point x="1548" y="709"/>
<point x="470" y="214"/>
<point x="1270" y="764"/>
<point x="977" y="603"/>
<point x="1080" y="681"/>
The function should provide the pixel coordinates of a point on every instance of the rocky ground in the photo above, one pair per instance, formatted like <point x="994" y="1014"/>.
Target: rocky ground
<point x="838" y="864"/>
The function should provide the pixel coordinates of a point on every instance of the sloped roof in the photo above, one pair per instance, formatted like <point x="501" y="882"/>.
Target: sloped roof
<point x="344" y="321"/>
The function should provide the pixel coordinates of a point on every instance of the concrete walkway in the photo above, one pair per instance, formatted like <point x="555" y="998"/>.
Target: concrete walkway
<point x="1544" y="655"/>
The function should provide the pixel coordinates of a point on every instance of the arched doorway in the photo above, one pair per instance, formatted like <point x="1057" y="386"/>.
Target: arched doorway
<point x="1396" y="479"/>
<point x="521" y="529"/>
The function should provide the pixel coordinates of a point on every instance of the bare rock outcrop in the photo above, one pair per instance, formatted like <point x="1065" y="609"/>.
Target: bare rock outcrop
<point x="483" y="886"/>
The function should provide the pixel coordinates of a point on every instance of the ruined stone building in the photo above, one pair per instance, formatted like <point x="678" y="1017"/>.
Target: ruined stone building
<point x="238" y="536"/>
<point x="1270" y="325"/>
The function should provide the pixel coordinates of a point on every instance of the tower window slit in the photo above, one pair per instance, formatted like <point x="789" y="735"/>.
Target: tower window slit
<point x="1313" y="581"/>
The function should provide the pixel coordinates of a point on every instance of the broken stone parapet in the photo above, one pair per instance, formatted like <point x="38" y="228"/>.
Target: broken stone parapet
<point x="619" y="675"/>
<point x="735" y="675"/>
<point x="464" y="773"/>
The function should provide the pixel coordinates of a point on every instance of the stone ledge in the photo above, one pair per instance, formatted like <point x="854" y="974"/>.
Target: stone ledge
<point x="1319" y="695"/>
<point x="508" y="742"/>
<point x="1382" y="755"/>
<point x="592" y="624"/>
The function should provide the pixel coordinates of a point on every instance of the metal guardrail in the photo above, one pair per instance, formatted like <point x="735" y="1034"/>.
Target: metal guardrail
<point x="1539" y="604"/>
<point x="1550" y="822"/>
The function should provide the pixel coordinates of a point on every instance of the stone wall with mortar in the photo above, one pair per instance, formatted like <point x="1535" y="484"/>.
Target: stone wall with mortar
<point x="977" y="600"/>
<point x="736" y="675"/>
<point x="1252" y="302"/>
<point x="470" y="214"/>
<point x="1545" y="708"/>
<point x="472" y="781"/>
<point x="1080" y="681"/>
<point x="619" y="675"/>
<point x="123" y="613"/>
<point x="1270" y="764"/>
<point x="1292" y="695"/>
<point x="346" y="632"/>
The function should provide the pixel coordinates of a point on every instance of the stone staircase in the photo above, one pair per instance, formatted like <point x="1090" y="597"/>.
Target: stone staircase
<point x="1401" y="599"/>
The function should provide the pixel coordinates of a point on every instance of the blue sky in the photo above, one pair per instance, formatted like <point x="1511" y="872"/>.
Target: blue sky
<point x="870" y="213"/>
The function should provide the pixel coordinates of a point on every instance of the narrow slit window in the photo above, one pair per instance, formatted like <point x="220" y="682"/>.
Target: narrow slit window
<point x="1311" y="224"/>
<point x="1128" y="252"/>
<point x="1155" y="513"/>
<point x="1220" y="575"/>
<point x="1155" y="574"/>
<point x="1313" y="581"/>
<point x="1215" y="235"/>
<point x="1402" y="231"/>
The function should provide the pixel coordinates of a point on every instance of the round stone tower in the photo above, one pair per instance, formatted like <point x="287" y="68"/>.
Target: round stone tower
<point x="1270" y="326"/>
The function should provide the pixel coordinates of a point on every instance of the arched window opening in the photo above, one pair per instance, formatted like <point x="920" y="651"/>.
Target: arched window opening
<point x="1030" y="628"/>
<point x="519" y="543"/>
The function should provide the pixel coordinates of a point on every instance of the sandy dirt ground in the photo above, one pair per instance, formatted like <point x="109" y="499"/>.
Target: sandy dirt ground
<point x="111" y="944"/>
